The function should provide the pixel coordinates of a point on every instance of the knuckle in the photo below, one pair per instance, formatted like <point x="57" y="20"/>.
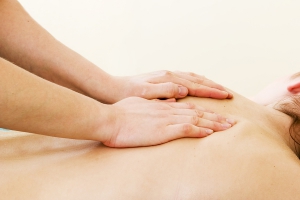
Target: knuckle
<point x="167" y="73"/>
<point x="219" y="118"/>
<point x="193" y="87"/>
<point x="201" y="80"/>
<point x="194" y="84"/>
<point x="171" y="90"/>
<point x="193" y="91"/>
<point x="111" y="142"/>
<point x="216" y="126"/>
<point x="195" y="120"/>
<point x="190" y="105"/>
<point x="199" y="113"/>
<point x="144" y="92"/>
<point x="186" y="129"/>
<point x="191" y="73"/>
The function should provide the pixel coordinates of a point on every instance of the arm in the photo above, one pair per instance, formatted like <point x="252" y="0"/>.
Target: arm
<point x="28" y="45"/>
<point x="31" y="104"/>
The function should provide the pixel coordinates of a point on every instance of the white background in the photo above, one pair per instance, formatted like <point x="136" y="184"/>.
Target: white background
<point x="241" y="44"/>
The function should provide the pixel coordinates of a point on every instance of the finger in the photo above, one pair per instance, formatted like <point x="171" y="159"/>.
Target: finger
<point x="198" y="79"/>
<point x="200" y="122"/>
<point x="204" y="91"/>
<point x="212" y="84"/>
<point x="192" y="110"/>
<point x="181" y="78"/>
<point x="186" y="130"/>
<point x="165" y="90"/>
<point x="217" y="118"/>
<point x="201" y="113"/>
<point x="194" y="83"/>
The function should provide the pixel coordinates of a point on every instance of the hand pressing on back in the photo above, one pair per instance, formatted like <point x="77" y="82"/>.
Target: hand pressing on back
<point x="141" y="122"/>
<point x="167" y="84"/>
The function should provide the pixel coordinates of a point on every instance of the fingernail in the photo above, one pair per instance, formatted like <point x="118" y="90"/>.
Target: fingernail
<point x="182" y="91"/>
<point x="230" y="95"/>
<point x="226" y="125"/>
<point x="230" y="121"/>
<point x="209" y="131"/>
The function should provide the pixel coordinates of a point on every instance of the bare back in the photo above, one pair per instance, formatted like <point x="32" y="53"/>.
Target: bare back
<point x="248" y="161"/>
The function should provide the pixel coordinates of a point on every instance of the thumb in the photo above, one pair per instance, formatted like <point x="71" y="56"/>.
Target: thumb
<point x="166" y="90"/>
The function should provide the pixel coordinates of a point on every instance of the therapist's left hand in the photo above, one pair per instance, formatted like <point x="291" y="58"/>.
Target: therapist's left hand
<point x="167" y="84"/>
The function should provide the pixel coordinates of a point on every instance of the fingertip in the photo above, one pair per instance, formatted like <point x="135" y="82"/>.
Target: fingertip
<point x="216" y="94"/>
<point x="226" y="126"/>
<point x="204" y="132"/>
<point x="182" y="91"/>
<point x="225" y="95"/>
<point x="209" y="131"/>
<point x="230" y="95"/>
<point x="231" y="121"/>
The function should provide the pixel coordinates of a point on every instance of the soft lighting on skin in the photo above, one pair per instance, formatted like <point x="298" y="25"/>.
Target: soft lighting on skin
<point x="283" y="87"/>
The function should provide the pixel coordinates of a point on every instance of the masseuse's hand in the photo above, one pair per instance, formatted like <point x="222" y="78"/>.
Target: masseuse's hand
<point x="166" y="84"/>
<point x="141" y="122"/>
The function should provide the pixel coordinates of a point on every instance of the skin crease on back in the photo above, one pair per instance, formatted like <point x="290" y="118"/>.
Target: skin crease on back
<point x="251" y="160"/>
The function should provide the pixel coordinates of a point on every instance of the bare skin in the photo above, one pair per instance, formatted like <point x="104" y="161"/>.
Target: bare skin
<point x="255" y="159"/>
<point x="58" y="92"/>
<point x="25" y="43"/>
<point x="31" y="104"/>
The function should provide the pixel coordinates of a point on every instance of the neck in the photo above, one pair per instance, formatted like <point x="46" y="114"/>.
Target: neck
<point x="280" y="124"/>
<point x="275" y="121"/>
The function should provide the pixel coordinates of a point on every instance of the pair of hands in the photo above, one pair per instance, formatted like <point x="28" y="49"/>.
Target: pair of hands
<point x="141" y="122"/>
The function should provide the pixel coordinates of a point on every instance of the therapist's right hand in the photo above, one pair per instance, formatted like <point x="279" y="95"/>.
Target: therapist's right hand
<point x="141" y="122"/>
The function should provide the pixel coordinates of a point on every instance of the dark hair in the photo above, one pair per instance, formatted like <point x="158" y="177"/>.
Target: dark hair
<point x="291" y="106"/>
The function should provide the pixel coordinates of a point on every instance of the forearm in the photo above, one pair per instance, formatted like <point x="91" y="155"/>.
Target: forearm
<point x="28" y="45"/>
<point x="31" y="104"/>
<point x="24" y="42"/>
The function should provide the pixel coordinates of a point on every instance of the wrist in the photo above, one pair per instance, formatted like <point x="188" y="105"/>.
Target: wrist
<point x="111" y="89"/>
<point x="105" y="123"/>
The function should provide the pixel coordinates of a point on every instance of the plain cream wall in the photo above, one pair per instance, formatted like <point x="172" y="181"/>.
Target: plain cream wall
<point x="241" y="44"/>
